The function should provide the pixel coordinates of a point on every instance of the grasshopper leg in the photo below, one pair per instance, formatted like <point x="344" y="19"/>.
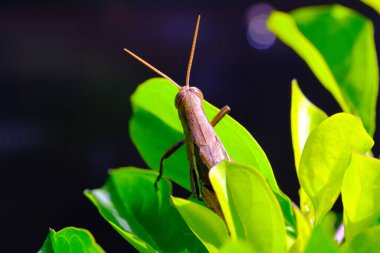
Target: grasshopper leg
<point x="167" y="154"/>
<point x="225" y="110"/>
<point x="194" y="184"/>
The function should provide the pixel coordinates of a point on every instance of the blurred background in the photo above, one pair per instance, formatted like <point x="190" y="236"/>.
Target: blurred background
<point x="65" y="85"/>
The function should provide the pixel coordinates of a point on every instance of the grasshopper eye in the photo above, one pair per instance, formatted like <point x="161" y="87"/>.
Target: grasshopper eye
<point x="197" y="91"/>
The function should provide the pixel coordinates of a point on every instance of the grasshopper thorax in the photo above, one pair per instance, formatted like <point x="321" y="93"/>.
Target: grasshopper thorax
<point x="185" y="91"/>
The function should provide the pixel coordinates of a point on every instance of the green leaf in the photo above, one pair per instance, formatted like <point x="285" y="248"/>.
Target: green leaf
<point x="236" y="246"/>
<point x="305" y="116"/>
<point x="366" y="241"/>
<point x="326" y="156"/>
<point x="142" y="215"/>
<point x="322" y="237"/>
<point x="375" y="4"/>
<point x="155" y="127"/>
<point x="250" y="208"/>
<point x="204" y="223"/>
<point x="338" y="45"/>
<point x="47" y="247"/>
<point x="360" y="194"/>
<point x="303" y="232"/>
<point x="70" y="240"/>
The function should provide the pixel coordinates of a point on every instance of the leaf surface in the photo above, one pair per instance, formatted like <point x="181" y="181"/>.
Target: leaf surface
<point x="251" y="211"/>
<point x="236" y="246"/>
<point x="142" y="215"/>
<point x="338" y="45"/>
<point x="304" y="116"/>
<point x="70" y="240"/>
<point x="375" y="4"/>
<point x="206" y="224"/>
<point x="360" y="194"/>
<point x="322" y="237"/>
<point x="366" y="241"/>
<point x="303" y="232"/>
<point x="326" y="156"/>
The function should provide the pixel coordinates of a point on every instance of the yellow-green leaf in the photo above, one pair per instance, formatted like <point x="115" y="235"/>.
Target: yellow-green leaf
<point x="304" y="116"/>
<point x="204" y="223"/>
<point x="375" y="4"/>
<point x="338" y="45"/>
<point x="366" y="241"/>
<point x="326" y="156"/>
<point x="303" y="232"/>
<point x="236" y="246"/>
<point x="322" y="237"/>
<point x="360" y="194"/>
<point x="250" y="208"/>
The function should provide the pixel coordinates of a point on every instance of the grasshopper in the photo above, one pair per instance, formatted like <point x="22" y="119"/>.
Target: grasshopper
<point x="203" y="146"/>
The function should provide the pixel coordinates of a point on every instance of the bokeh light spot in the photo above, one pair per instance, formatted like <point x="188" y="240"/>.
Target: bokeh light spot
<point x="258" y="35"/>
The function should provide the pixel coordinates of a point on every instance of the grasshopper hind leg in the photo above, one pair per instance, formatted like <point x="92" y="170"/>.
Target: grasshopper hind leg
<point x="223" y="112"/>
<point x="167" y="154"/>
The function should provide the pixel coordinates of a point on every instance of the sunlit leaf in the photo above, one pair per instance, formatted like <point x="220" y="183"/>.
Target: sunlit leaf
<point x="366" y="241"/>
<point x="338" y="45"/>
<point x="251" y="210"/>
<point x="303" y="232"/>
<point x="326" y="156"/>
<point x="236" y="246"/>
<point x="304" y="116"/>
<point x="205" y="224"/>
<point x="322" y="237"/>
<point x="155" y="127"/>
<point x="142" y="215"/>
<point x="375" y="4"/>
<point x="360" y="194"/>
<point x="70" y="240"/>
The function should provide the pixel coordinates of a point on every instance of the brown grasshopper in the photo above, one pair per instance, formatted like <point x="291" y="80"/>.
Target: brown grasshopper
<point x="204" y="148"/>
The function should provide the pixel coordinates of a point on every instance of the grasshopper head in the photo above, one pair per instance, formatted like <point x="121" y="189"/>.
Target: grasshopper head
<point x="186" y="91"/>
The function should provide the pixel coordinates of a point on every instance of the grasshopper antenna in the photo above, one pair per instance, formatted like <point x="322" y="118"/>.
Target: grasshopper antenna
<point x="192" y="51"/>
<point x="151" y="67"/>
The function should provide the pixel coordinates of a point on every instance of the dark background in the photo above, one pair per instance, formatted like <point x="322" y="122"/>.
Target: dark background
<point x="65" y="85"/>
